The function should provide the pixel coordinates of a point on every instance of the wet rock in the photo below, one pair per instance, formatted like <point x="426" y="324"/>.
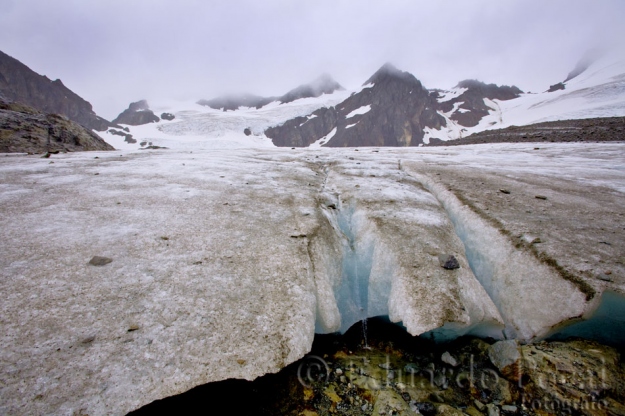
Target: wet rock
<point x="100" y="261"/>
<point x="448" y="261"/>
<point x="492" y="410"/>
<point x="472" y="411"/>
<point x="509" y="408"/>
<point x="501" y="391"/>
<point x="411" y="368"/>
<point x="389" y="402"/>
<point x="583" y="372"/>
<point x="505" y="356"/>
<point x="448" y="359"/>
<point x="440" y="380"/>
<point x="446" y="410"/>
<point x="479" y="405"/>
<point x="426" y="408"/>
<point x="330" y="392"/>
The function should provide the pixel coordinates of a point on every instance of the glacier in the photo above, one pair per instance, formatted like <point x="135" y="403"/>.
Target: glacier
<point x="226" y="262"/>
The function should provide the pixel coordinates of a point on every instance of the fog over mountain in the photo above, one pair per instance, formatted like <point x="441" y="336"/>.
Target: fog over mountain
<point x="114" y="52"/>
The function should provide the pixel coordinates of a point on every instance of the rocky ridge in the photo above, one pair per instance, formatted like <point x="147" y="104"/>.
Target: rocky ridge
<point x="585" y="130"/>
<point x="23" y="129"/>
<point x="19" y="83"/>
<point x="468" y="108"/>
<point x="392" y="109"/>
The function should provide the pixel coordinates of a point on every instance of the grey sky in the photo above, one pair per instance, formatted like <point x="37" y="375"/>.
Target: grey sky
<point x="112" y="52"/>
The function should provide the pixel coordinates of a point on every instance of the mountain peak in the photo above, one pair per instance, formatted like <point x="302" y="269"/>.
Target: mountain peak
<point x="389" y="71"/>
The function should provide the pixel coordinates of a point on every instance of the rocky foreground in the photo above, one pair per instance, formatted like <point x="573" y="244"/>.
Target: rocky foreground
<point x="605" y="129"/>
<point x="395" y="374"/>
<point x="131" y="277"/>
<point x="26" y="130"/>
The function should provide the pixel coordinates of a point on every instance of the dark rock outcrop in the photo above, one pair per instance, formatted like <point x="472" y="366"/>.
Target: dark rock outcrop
<point x="128" y="138"/>
<point x="325" y="84"/>
<point x="19" y="83"/>
<point x="584" y="130"/>
<point x="556" y="87"/>
<point x="393" y="112"/>
<point x="473" y="107"/>
<point x="24" y="129"/>
<point x="137" y="114"/>
<point x="167" y="116"/>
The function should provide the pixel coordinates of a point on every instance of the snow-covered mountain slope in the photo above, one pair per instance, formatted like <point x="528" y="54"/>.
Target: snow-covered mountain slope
<point x="599" y="91"/>
<point x="399" y="112"/>
<point x="200" y="127"/>
<point x="391" y="109"/>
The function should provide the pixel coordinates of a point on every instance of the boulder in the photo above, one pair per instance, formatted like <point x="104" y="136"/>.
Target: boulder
<point x="506" y="357"/>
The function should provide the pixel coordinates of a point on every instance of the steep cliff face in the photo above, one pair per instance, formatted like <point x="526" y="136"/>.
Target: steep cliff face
<point x="391" y="110"/>
<point x="137" y="114"/>
<point x="23" y="129"/>
<point x="20" y="84"/>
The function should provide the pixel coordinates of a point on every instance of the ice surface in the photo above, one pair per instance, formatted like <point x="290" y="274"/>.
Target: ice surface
<point x="225" y="263"/>
<point x="199" y="127"/>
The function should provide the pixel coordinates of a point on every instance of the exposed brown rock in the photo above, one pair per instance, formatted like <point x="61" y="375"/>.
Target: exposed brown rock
<point x="26" y="130"/>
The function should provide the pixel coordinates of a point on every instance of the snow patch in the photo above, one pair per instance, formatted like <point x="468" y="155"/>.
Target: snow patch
<point x="451" y="94"/>
<point x="361" y="110"/>
<point x="323" y="140"/>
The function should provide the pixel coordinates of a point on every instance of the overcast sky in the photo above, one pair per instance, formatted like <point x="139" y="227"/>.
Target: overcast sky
<point x="112" y="52"/>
